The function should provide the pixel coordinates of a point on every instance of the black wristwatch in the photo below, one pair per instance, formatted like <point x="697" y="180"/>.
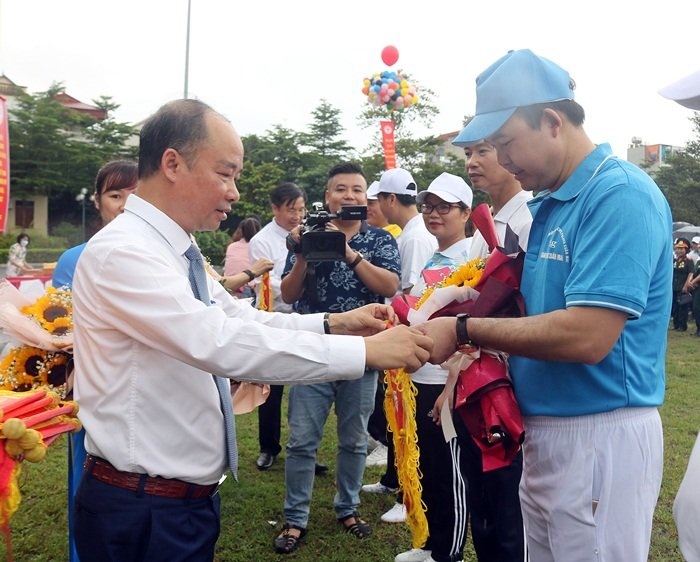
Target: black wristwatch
<point x="462" y="331"/>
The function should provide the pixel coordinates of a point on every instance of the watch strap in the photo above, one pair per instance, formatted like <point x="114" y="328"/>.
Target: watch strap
<point x="358" y="258"/>
<point x="462" y="331"/>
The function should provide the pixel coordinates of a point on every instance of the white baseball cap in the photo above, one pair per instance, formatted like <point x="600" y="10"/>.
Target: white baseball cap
<point x="449" y="188"/>
<point x="685" y="91"/>
<point x="696" y="240"/>
<point x="398" y="181"/>
<point x="372" y="191"/>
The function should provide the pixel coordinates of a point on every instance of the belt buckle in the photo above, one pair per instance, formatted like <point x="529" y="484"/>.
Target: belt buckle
<point x="218" y="485"/>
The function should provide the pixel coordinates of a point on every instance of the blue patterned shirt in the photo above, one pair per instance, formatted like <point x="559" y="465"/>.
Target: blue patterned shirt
<point x="338" y="287"/>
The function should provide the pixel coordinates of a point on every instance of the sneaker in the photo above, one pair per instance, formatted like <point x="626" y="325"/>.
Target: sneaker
<point x="396" y="514"/>
<point x="378" y="456"/>
<point x="378" y="488"/>
<point x="414" y="555"/>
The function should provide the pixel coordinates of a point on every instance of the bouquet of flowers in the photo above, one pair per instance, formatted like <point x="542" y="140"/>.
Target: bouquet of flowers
<point x="483" y="394"/>
<point x="33" y="379"/>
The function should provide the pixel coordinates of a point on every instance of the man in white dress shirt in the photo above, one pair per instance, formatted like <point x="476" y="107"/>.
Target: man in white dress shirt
<point x="146" y="349"/>
<point x="288" y="203"/>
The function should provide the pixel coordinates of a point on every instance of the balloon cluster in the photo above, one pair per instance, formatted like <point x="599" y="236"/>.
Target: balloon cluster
<point x="391" y="90"/>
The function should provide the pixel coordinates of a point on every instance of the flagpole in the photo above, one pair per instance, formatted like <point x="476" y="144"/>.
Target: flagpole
<point x="187" y="46"/>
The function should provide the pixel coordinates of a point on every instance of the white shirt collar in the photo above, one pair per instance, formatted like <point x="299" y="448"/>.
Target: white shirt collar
<point x="172" y="232"/>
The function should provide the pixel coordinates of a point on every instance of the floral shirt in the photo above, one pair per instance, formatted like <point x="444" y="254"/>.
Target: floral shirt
<point x="338" y="288"/>
<point x="16" y="257"/>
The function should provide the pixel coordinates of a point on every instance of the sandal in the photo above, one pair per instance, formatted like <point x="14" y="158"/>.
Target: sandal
<point x="286" y="542"/>
<point x="358" y="528"/>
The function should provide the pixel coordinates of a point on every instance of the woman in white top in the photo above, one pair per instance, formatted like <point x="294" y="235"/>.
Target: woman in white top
<point x="17" y="257"/>
<point x="446" y="207"/>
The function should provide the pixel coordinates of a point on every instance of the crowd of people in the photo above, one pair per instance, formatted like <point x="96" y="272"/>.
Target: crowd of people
<point x="153" y="331"/>
<point x="686" y="281"/>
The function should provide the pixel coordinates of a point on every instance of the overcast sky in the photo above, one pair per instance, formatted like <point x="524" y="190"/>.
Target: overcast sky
<point x="267" y="62"/>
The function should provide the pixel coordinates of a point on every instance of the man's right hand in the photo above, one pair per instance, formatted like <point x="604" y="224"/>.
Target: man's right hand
<point x="399" y="347"/>
<point x="261" y="266"/>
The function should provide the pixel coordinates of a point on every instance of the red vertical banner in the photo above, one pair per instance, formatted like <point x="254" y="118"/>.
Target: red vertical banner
<point x="388" y="144"/>
<point x="4" y="165"/>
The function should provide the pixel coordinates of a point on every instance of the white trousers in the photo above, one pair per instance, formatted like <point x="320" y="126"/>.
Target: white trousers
<point x="686" y="508"/>
<point x="590" y="485"/>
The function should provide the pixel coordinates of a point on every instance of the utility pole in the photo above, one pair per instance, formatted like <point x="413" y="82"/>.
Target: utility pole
<point x="187" y="46"/>
<point x="80" y="198"/>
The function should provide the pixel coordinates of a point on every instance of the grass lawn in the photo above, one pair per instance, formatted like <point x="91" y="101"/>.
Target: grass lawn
<point x="252" y="509"/>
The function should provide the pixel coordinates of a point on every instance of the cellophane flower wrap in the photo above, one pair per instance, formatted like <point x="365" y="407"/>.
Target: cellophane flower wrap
<point x="33" y="379"/>
<point x="483" y="394"/>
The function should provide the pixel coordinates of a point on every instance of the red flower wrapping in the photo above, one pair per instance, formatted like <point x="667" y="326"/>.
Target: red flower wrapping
<point x="484" y="395"/>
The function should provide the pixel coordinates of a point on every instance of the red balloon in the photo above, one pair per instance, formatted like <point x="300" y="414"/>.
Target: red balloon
<point x="390" y="55"/>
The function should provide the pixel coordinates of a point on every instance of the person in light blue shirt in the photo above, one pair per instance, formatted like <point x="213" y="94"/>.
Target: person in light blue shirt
<point x="588" y="360"/>
<point x="114" y="182"/>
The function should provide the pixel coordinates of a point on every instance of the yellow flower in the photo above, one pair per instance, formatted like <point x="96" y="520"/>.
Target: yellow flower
<point x="468" y="274"/>
<point x="26" y="367"/>
<point x="53" y="310"/>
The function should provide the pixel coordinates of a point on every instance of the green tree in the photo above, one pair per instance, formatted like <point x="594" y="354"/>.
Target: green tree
<point x="279" y="146"/>
<point x="325" y="133"/>
<point x="254" y="186"/>
<point x="42" y="145"/>
<point x="323" y="147"/>
<point x="110" y="137"/>
<point x="680" y="180"/>
<point x="56" y="151"/>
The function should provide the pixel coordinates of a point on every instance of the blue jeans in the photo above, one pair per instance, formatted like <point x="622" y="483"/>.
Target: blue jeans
<point x="309" y="406"/>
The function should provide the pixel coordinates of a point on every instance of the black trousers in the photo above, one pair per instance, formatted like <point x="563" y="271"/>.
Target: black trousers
<point x="494" y="504"/>
<point x="270" y="420"/>
<point x="444" y="488"/>
<point x="679" y="312"/>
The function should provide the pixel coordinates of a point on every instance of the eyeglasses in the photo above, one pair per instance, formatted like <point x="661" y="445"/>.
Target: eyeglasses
<point x="441" y="208"/>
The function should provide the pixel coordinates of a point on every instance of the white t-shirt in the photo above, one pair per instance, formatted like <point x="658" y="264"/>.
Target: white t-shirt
<point x="416" y="245"/>
<point x="452" y="257"/>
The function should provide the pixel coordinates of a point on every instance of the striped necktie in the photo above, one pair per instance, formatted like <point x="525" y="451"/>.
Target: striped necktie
<point x="198" y="280"/>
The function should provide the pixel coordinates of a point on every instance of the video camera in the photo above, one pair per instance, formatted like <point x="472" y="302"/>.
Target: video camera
<point x="318" y="244"/>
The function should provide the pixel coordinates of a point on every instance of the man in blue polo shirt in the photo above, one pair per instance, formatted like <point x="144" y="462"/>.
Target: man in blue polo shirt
<point x="587" y="362"/>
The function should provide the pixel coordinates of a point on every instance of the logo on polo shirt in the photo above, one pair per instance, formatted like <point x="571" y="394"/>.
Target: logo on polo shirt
<point x="557" y="248"/>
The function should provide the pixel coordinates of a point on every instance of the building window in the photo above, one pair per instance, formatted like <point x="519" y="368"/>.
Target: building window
<point x="24" y="214"/>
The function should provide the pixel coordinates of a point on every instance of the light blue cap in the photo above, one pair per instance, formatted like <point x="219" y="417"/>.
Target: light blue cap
<point x="518" y="79"/>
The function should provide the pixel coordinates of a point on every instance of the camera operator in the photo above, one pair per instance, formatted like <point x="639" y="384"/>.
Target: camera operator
<point x="367" y="271"/>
